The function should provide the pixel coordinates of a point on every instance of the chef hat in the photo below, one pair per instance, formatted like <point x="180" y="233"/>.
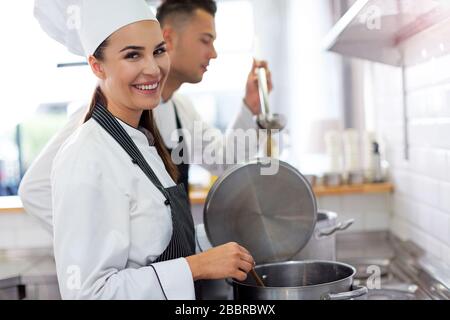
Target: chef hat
<point x="82" y="25"/>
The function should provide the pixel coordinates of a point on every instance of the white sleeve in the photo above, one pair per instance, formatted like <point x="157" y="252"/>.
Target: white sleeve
<point x="35" y="190"/>
<point x="222" y="144"/>
<point x="244" y="119"/>
<point x="92" y="240"/>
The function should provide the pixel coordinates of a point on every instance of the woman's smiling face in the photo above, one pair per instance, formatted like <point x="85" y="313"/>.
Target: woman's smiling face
<point x="134" y="67"/>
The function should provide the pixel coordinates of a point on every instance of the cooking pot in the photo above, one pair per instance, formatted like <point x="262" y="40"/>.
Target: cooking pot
<point x="274" y="217"/>
<point x="301" y="280"/>
<point x="322" y="244"/>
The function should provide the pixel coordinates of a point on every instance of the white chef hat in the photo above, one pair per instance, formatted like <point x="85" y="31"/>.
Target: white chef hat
<point x="82" y="25"/>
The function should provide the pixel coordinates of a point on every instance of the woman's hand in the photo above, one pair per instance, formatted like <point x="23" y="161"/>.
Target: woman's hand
<point x="226" y="261"/>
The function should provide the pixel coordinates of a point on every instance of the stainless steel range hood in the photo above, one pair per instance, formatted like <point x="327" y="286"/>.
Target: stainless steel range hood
<point x="381" y="30"/>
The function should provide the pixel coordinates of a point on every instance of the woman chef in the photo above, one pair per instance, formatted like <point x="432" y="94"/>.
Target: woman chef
<point x="122" y="228"/>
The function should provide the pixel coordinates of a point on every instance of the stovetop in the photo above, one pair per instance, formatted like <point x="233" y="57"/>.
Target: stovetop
<point x="406" y="274"/>
<point x="385" y="281"/>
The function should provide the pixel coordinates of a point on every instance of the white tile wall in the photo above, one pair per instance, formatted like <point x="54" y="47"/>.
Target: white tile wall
<point x="440" y="225"/>
<point x="377" y="221"/>
<point x="430" y="162"/>
<point x="428" y="75"/>
<point x="446" y="253"/>
<point x="429" y="103"/>
<point x="444" y="196"/>
<point x="370" y="212"/>
<point x="421" y="203"/>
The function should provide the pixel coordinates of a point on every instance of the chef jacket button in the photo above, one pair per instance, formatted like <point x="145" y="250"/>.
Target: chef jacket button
<point x="167" y="202"/>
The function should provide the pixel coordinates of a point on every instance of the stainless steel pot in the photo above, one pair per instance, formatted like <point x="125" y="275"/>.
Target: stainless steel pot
<point x="322" y="244"/>
<point x="307" y="280"/>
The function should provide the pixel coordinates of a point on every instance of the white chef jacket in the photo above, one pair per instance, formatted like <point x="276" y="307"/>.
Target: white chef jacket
<point x="35" y="189"/>
<point x="110" y="221"/>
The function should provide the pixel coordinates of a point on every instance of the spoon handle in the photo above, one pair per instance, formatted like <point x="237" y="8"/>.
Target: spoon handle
<point x="257" y="278"/>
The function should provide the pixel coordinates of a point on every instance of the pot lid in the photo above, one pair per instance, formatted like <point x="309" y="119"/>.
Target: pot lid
<point x="271" y="215"/>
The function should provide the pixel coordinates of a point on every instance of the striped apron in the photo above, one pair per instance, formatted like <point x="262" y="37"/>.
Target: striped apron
<point x="182" y="243"/>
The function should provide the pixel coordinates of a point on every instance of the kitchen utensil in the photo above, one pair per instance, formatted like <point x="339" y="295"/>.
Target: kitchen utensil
<point x="273" y="216"/>
<point x="332" y="179"/>
<point x="267" y="120"/>
<point x="256" y="277"/>
<point x="308" y="280"/>
<point x="356" y="178"/>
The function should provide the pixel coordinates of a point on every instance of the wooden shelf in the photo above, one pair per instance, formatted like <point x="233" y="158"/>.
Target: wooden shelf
<point x="198" y="197"/>
<point x="357" y="189"/>
<point x="386" y="31"/>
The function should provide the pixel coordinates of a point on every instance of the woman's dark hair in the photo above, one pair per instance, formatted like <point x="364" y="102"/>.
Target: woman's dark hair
<point x="147" y="121"/>
<point x="170" y="8"/>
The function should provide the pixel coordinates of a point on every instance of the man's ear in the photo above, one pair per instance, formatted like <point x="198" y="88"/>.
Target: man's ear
<point x="96" y="67"/>
<point x="169" y="35"/>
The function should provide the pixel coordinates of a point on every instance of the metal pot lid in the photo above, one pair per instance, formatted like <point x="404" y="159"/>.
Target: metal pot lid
<point x="272" y="216"/>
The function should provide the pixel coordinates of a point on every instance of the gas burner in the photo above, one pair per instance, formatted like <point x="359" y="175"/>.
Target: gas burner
<point x="392" y="284"/>
<point x="388" y="294"/>
<point x="365" y="267"/>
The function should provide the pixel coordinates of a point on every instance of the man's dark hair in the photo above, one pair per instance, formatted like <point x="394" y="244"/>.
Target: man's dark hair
<point x="183" y="9"/>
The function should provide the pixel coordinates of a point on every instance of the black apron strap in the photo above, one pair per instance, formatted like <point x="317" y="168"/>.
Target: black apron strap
<point x="183" y="168"/>
<point x="113" y="127"/>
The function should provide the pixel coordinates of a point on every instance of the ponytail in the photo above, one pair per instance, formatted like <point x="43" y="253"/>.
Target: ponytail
<point x="148" y="122"/>
<point x="97" y="98"/>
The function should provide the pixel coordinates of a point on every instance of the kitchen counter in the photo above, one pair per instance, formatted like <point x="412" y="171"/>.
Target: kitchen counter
<point x="10" y="205"/>
<point x="27" y="272"/>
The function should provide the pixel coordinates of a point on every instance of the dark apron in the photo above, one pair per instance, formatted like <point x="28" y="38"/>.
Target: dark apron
<point x="182" y="243"/>
<point x="183" y="168"/>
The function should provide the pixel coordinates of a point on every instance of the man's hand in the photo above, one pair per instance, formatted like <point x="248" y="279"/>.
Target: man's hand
<point x="251" y="92"/>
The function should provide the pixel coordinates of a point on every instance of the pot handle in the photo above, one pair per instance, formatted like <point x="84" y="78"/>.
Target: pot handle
<point x="355" y="293"/>
<point x="341" y="226"/>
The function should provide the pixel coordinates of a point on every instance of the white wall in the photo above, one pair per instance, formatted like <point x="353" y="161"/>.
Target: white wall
<point x="371" y="212"/>
<point x="307" y="80"/>
<point x="315" y="76"/>
<point x="422" y="197"/>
